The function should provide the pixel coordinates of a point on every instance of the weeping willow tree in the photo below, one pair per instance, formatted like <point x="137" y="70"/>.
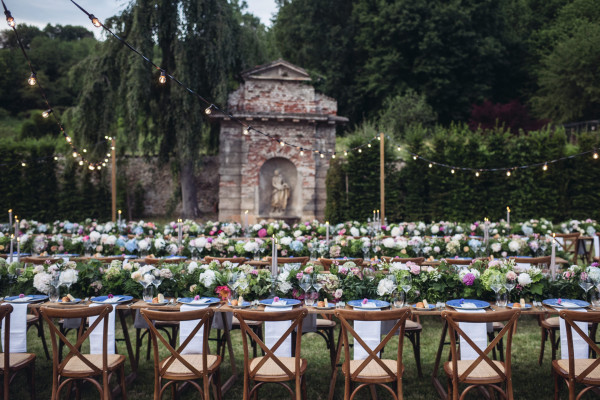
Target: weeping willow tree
<point x="203" y="43"/>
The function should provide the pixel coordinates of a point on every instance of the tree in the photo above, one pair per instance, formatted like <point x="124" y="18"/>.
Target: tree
<point x="199" y="42"/>
<point x="401" y="111"/>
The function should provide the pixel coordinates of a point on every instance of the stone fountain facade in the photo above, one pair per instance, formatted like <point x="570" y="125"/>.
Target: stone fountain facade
<point x="277" y="99"/>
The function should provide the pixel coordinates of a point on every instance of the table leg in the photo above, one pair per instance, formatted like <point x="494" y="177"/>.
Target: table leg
<point x="131" y="377"/>
<point x="338" y="355"/>
<point x="438" y="357"/>
<point x="227" y="336"/>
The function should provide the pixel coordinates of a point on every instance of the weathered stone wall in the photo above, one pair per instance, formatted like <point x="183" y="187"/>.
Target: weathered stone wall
<point x="160" y="187"/>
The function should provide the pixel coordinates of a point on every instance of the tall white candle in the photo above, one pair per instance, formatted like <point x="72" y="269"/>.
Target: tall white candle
<point x="9" y="220"/>
<point x="246" y="223"/>
<point x="327" y="233"/>
<point x="553" y="257"/>
<point x="274" y="257"/>
<point x="508" y="215"/>
<point x="119" y="223"/>
<point x="12" y="236"/>
<point x="18" y="249"/>
<point x="179" y="230"/>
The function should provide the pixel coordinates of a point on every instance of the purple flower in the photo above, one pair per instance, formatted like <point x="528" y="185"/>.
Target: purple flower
<point x="299" y="275"/>
<point x="468" y="279"/>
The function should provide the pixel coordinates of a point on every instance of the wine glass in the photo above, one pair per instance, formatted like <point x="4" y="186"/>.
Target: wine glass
<point x="158" y="279"/>
<point x="510" y="285"/>
<point x="365" y="250"/>
<point x="54" y="293"/>
<point x="146" y="282"/>
<point x="586" y="283"/>
<point x="406" y="283"/>
<point x="306" y="283"/>
<point x="496" y="284"/>
<point x="318" y="286"/>
<point x="233" y="283"/>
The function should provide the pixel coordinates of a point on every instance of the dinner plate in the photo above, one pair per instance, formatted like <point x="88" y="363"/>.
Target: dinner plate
<point x="288" y="302"/>
<point x="329" y="307"/>
<point x="245" y="304"/>
<point x="102" y="299"/>
<point x="164" y="303"/>
<point x="510" y="305"/>
<point x="359" y="304"/>
<point x="430" y="307"/>
<point x="74" y="301"/>
<point x="189" y="301"/>
<point x="457" y="303"/>
<point x="33" y="298"/>
<point x="577" y="303"/>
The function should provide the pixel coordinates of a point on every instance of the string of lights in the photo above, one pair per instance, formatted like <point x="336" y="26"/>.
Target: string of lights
<point x="34" y="81"/>
<point x="212" y="107"/>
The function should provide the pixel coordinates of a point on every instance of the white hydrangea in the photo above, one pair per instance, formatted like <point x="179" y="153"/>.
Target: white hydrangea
<point x="284" y="287"/>
<point x="143" y="244"/>
<point x="251" y="246"/>
<point x="396" y="231"/>
<point x="298" y="233"/>
<point x="354" y="231"/>
<point x="192" y="267"/>
<point x="514" y="246"/>
<point x="397" y="266"/>
<point x="207" y="278"/>
<point x="95" y="236"/>
<point x="68" y="276"/>
<point x="41" y="282"/>
<point x="496" y="247"/>
<point x="524" y="279"/>
<point x="385" y="287"/>
<point x="390" y="243"/>
<point x="435" y="229"/>
<point x="286" y="240"/>
<point x="159" y="243"/>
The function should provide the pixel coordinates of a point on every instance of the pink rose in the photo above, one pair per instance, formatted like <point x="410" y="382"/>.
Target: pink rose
<point x="254" y="272"/>
<point x="299" y="275"/>
<point x="275" y="299"/>
<point x="196" y="297"/>
<point x="309" y="269"/>
<point x="262" y="233"/>
<point x="365" y="301"/>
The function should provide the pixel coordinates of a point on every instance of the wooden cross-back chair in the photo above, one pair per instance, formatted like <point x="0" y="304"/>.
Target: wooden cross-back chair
<point x="483" y="371"/>
<point x="13" y="362"/>
<point x="271" y="368"/>
<point x="290" y="260"/>
<point x="569" y="243"/>
<point x="582" y="371"/>
<point x="178" y="367"/>
<point x="327" y="262"/>
<point x="416" y="260"/>
<point x="77" y="365"/>
<point x="373" y="370"/>
<point x="234" y="260"/>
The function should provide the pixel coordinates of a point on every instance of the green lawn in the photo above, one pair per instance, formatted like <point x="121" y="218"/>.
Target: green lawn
<point x="530" y="380"/>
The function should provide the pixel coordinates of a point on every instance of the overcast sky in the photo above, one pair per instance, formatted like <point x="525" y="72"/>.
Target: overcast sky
<point x="63" y="12"/>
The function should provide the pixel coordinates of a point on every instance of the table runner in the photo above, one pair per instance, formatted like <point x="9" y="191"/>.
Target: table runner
<point x="580" y="346"/>
<point x="477" y="332"/>
<point x="97" y="335"/>
<point x="186" y="328"/>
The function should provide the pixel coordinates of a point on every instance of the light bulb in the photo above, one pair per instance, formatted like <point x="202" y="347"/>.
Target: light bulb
<point x="322" y="155"/>
<point x="430" y="165"/>
<point x="333" y="156"/>
<point x="163" y="77"/>
<point x="81" y="162"/>
<point x="55" y="158"/>
<point x="595" y="155"/>
<point x="104" y="164"/>
<point x="545" y="167"/>
<point x="415" y="157"/>
<point x="106" y="160"/>
<point x="282" y="144"/>
<point x="399" y="148"/>
<point x="208" y="110"/>
<point x="91" y="167"/>
<point x="98" y="168"/>
<point x="301" y="152"/>
<point x="74" y="154"/>
<point x="477" y="174"/>
<point x="246" y="131"/>
<point x="32" y="79"/>
<point x="95" y="21"/>
<point x="9" y="19"/>
<point x="378" y="138"/>
<point x="507" y="173"/>
<point x="369" y="145"/>
<point x="360" y="150"/>
<point x="68" y="139"/>
<point x="452" y="171"/>
<point x="46" y="113"/>
<point x="23" y="164"/>
<point x="345" y="154"/>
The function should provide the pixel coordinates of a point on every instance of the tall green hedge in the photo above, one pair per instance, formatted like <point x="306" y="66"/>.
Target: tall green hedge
<point x="568" y="189"/>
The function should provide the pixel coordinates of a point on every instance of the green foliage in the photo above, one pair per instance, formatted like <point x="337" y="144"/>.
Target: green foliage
<point x="566" y="190"/>
<point x="402" y="111"/>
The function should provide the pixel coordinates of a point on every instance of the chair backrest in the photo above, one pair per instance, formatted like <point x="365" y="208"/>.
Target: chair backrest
<point x="50" y="314"/>
<point x="456" y="261"/>
<point x="416" y="260"/>
<point x="327" y="262"/>
<point x="290" y="260"/>
<point x="571" y="317"/>
<point x="39" y="260"/>
<point x="453" y="319"/>
<point x="569" y="243"/>
<point x="235" y="260"/>
<point x="204" y="317"/>
<point x="296" y="316"/>
<point x="543" y="262"/>
<point x="347" y="316"/>
<point x="5" y="311"/>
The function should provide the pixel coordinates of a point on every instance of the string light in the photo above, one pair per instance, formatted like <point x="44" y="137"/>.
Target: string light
<point x="508" y="173"/>
<point x="477" y="174"/>
<point x="23" y="164"/>
<point x="9" y="19"/>
<point x="333" y="156"/>
<point x="246" y="131"/>
<point x="399" y="148"/>
<point x="47" y="113"/>
<point x="32" y="79"/>
<point x="282" y="143"/>
<point x="81" y="162"/>
<point x="163" y="77"/>
<point x="85" y="150"/>
<point x="430" y="165"/>
<point x="452" y="171"/>
<point x="415" y="157"/>
<point x="369" y="145"/>
<point x="595" y="155"/>
<point x="68" y="139"/>
<point x="301" y="152"/>
<point x="95" y="21"/>
<point x="345" y="153"/>
<point x="208" y="110"/>
<point x="322" y="155"/>
<point x="91" y="167"/>
<point x="74" y="154"/>
<point x="545" y="167"/>
<point x="360" y="150"/>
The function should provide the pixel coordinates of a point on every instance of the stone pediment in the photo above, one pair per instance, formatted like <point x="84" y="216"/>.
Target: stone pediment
<point x="277" y="70"/>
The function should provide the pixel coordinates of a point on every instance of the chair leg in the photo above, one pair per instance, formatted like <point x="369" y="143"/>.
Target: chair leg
<point x="373" y="390"/>
<point x="217" y="384"/>
<point x="553" y="343"/>
<point x="543" y="345"/>
<point x="331" y="341"/>
<point x="42" y="336"/>
<point x="501" y="349"/>
<point x="123" y="389"/>
<point x="304" y="397"/>
<point x="31" y="380"/>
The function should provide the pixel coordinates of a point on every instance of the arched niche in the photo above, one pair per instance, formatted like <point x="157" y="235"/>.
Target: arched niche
<point x="289" y="175"/>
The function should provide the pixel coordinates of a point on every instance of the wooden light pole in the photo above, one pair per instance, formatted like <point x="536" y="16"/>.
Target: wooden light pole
<point x="382" y="176"/>
<point x="113" y="178"/>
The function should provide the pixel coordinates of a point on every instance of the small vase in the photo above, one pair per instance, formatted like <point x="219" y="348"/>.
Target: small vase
<point x="147" y="293"/>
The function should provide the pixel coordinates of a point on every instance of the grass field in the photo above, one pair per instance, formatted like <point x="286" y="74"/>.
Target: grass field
<point x="531" y="381"/>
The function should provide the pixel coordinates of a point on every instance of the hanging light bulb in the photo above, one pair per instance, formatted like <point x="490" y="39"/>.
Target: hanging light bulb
<point x="106" y="160"/>
<point x="322" y="155"/>
<point x="360" y="150"/>
<point x="452" y="171"/>
<point x="32" y="79"/>
<point x="47" y="113"/>
<point x="68" y="139"/>
<point x="378" y="138"/>
<point x="85" y="150"/>
<point x="595" y="155"/>
<point x="430" y="165"/>
<point x="208" y="110"/>
<point x="333" y="156"/>
<point x="415" y="157"/>
<point x="246" y="131"/>
<point x="399" y="148"/>
<point x="301" y="152"/>
<point x="91" y="167"/>
<point x="345" y="153"/>
<point x="74" y="154"/>
<point x="282" y="143"/>
<point x="163" y="77"/>
<point x="81" y="162"/>
<point x="98" y="168"/>
<point x="369" y="145"/>
<point x="508" y="173"/>
<point x="477" y="174"/>
<point x="55" y="158"/>
<point x="95" y="21"/>
<point x="9" y="19"/>
<point x="545" y="167"/>
<point x="23" y="164"/>
<point x="104" y="164"/>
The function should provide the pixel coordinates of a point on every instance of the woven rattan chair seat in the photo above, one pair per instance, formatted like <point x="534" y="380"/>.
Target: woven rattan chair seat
<point x="497" y="326"/>
<point x="270" y="370"/>
<point x="236" y="322"/>
<point x="76" y="367"/>
<point x="325" y="323"/>
<point x="179" y="371"/>
<point x="410" y="325"/>
<point x="483" y="371"/>
<point x="580" y="366"/>
<point x="32" y="318"/>
<point x="551" y="323"/>
<point x="373" y="370"/>
<point x="17" y="360"/>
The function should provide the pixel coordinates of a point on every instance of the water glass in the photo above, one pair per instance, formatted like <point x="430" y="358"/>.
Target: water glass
<point x="54" y="293"/>
<point x="309" y="299"/>
<point x="147" y="293"/>
<point x="502" y="299"/>
<point x="399" y="300"/>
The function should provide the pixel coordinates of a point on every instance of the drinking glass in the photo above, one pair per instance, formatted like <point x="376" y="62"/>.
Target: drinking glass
<point x="365" y="251"/>
<point x="306" y="283"/>
<point x="406" y="283"/>
<point x="586" y="283"/>
<point x="158" y="279"/>
<point x="309" y="298"/>
<point x="496" y="284"/>
<point x="147" y="292"/>
<point x="509" y="286"/>
<point x="503" y="299"/>
<point x="399" y="299"/>
<point x="318" y="286"/>
<point x="54" y="292"/>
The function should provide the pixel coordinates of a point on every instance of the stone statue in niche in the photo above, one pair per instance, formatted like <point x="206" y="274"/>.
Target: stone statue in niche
<point x="280" y="194"/>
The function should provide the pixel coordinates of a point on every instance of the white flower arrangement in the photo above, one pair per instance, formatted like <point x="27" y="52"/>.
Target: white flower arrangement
<point x="385" y="287"/>
<point x="207" y="278"/>
<point x="524" y="279"/>
<point x="41" y="282"/>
